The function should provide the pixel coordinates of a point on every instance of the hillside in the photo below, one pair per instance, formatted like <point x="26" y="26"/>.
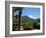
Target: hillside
<point x="27" y="23"/>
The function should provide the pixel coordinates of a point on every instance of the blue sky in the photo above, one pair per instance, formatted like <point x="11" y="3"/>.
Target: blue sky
<point x="30" y="12"/>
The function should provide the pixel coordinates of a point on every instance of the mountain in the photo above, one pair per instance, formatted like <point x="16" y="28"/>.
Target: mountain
<point x="24" y="18"/>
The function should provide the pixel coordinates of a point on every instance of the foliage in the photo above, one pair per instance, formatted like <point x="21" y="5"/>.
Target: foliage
<point x="27" y="24"/>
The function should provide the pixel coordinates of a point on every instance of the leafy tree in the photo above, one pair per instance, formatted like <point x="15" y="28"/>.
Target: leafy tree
<point x="20" y="12"/>
<point x="37" y="24"/>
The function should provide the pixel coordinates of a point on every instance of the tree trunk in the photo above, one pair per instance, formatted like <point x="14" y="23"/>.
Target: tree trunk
<point x="20" y="21"/>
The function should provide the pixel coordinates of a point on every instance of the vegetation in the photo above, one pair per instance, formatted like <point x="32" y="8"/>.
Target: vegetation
<point x="27" y="23"/>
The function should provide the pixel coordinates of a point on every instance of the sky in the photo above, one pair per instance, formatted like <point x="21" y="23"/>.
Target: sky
<point x="33" y="13"/>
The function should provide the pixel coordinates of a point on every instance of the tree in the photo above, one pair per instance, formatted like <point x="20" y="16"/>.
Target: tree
<point x="20" y="12"/>
<point x="37" y="24"/>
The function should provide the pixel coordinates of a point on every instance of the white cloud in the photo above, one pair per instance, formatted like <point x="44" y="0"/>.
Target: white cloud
<point x="32" y="17"/>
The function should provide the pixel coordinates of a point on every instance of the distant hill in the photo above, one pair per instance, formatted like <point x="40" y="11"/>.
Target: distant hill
<point x="24" y="19"/>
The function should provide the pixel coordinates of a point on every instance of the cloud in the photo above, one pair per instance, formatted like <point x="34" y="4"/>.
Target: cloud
<point x="32" y="17"/>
